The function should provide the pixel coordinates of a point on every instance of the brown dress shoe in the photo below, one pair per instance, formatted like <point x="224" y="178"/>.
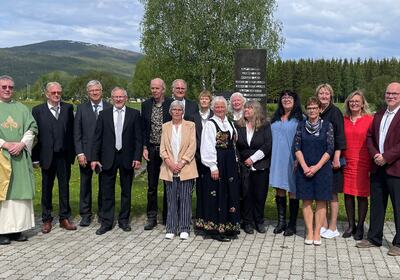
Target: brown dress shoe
<point x="394" y="251"/>
<point x="365" y="243"/>
<point x="46" y="227"/>
<point x="66" y="224"/>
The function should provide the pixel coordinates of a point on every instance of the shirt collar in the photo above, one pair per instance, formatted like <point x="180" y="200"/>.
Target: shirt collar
<point x="100" y="105"/>
<point x="122" y="109"/>
<point x="51" y="106"/>
<point x="392" y="112"/>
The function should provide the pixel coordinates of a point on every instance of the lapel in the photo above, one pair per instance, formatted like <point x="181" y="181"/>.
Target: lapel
<point x="127" y="118"/>
<point x="184" y="136"/>
<point x="110" y="119"/>
<point x="90" y="111"/>
<point x="243" y="135"/>
<point x="378" y="117"/>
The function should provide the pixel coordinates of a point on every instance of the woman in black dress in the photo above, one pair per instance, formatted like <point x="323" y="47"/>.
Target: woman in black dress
<point x="220" y="190"/>
<point x="254" y="147"/>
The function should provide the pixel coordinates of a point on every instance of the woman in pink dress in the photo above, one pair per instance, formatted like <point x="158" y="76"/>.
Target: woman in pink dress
<point x="356" y="183"/>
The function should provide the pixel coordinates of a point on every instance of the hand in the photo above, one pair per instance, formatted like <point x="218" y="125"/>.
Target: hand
<point x="93" y="164"/>
<point x="146" y="154"/>
<point x="215" y="175"/>
<point x="312" y="170"/>
<point x="136" y="164"/>
<point x="14" y="148"/>
<point x="82" y="160"/>
<point x="248" y="162"/>
<point x="336" y="162"/>
<point x="36" y="164"/>
<point x="379" y="160"/>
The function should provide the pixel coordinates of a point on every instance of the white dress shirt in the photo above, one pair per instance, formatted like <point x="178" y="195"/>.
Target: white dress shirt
<point x="258" y="155"/>
<point x="176" y="137"/>
<point x="53" y="111"/>
<point x="99" y="106"/>
<point x="384" y="127"/>
<point x="208" y="140"/>
<point x="204" y="116"/>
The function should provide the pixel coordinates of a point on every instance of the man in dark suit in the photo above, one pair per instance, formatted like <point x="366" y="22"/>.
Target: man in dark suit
<point x="117" y="145"/>
<point x="155" y="112"/>
<point x="54" y="153"/>
<point x="84" y="126"/>
<point x="383" y="142"/>
<point x="179" y="88"/>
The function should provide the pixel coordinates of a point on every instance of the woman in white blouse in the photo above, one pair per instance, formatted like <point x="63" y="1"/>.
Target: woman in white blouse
<point x="236" y="103"/>
<point x="178" y="170"/>
<point x="221" y="218"/>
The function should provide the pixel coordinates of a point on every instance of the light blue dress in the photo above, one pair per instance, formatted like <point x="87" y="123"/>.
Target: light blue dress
<point x="282" y="175"/>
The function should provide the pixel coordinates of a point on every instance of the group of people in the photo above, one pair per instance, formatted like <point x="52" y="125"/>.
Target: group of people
<point x="231" y="154"/>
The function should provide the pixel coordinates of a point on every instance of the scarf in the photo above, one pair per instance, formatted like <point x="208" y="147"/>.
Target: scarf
<point x="314" y="128"/>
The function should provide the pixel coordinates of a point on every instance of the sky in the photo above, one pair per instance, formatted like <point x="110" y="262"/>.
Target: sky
<point x="311" y="28"/>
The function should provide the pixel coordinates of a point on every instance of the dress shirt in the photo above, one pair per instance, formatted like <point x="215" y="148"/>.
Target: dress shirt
<point x="52" y="111"/>
<point x="115" y="117"/>
<point x="208" y="151"/>
<point x="384" y="127"/>
<point x="258" y="155"/>
<point x="99" y="106"/>
<point x="237" y="115"/>
<point x="176" y="137"/>
<point x="204" y="116"/>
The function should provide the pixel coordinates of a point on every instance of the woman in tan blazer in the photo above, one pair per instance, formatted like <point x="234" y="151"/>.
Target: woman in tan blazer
<point x="178" y="170"/>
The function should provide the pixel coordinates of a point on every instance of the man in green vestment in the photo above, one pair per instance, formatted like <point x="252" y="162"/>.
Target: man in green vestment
<point x="17" y="132"/>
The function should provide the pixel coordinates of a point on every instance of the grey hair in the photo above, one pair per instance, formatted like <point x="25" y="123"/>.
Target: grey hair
<point x="51" y="84"/>
<point x="176" y="103"/>
<point x="6" y="77"/>
<point x="119" y="88"/>
<point x="236" y="94"/>
<point x="179" y="80"/>
<point x="94" y="83"/>
<point x="218" y="99"/>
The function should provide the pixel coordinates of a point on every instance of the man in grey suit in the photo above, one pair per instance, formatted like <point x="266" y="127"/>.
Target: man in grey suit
<point x="84" y="127"/>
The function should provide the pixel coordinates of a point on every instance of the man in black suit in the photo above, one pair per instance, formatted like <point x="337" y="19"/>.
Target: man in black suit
<point x="155" y="112"/>
<point x="117" y="145"/>
<point x="179" y="88"/>
<point x="84" y="126"/>
<point x="54" y="153"/>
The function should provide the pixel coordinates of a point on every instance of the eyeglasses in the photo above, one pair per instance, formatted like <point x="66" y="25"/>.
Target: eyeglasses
<point x="354" y="102"/>
<point x="177" y="110"/>
<point x="287" y="97"/>
<point x="394" y="94"/>
<point x="180" y="88"/>
<point x="55" y="92"/>
<point x="312" y="108"/>
<point x="119" y="97"/>
<point x="7" y="87"/>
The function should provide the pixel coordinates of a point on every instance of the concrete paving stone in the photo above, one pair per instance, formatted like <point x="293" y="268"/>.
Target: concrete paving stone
<point x="272" y="269"/>
<point x="245" y="275"/>
<point x="197" y="272"/>
<point x="248" y="267"/>
<point x="295" y="277"/>
<point x="211" y="268"/>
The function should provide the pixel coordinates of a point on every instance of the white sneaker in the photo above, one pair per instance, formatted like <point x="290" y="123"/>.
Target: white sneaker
<point x="169" y="236"/>
<point x="184" y="235"/>
<point x="322" y="230"/>
<point x="329" y="234"/>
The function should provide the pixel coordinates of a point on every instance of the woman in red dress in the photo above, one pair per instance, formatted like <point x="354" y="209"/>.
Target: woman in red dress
<point x="357" y="120"/>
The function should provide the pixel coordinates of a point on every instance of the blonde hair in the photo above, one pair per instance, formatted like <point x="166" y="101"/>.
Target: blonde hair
<point x="325" y="86"/>
<point x="364" y="108"/>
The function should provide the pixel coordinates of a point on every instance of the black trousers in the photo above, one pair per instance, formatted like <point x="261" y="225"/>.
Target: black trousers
<point x="107" y="187"/>
<point x="153" y="174"/>
<point x="62" y="169"/>
<point x="85" y="194"/>
<point x="255" y="196"/>
<point x="383" y="186"/>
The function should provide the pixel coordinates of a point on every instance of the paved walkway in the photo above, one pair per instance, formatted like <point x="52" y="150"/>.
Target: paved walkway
<point x="147" y="255"/>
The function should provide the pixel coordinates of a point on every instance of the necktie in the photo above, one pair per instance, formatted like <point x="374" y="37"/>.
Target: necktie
<point x="96" y="112"/>
<point x="118" y="131"/>
<point x="55" y="109"/>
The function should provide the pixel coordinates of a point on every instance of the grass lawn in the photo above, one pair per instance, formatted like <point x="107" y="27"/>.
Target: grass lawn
<point x="139" y="198"/>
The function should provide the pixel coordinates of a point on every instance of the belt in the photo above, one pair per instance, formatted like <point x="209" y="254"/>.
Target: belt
<point x="155" y="147"/>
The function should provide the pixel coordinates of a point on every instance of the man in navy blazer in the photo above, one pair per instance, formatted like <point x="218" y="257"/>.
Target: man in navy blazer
<point x="117" y="145"/>
<point x="383" y="141"/>
<point x="84" y="126"/>
<point x="54" y="153"/>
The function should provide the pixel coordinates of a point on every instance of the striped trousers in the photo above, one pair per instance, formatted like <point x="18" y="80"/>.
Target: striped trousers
<point x="179" y="201"/>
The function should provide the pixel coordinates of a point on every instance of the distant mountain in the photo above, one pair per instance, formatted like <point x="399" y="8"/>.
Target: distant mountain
<point x="27" y="63"/>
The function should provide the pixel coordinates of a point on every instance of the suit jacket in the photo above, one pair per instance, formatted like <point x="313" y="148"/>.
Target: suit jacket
<point x="186" y="151"/>
<point x="262" y="140"/>
<point x="146" y="108"/>
<point x="191" y="109"/>
<point x="84" y="126"/>
<point x="104" y="138"/>
<point x="43" y="151"/>
<point x="199" y="128"/>
<point x="391" y="145"/>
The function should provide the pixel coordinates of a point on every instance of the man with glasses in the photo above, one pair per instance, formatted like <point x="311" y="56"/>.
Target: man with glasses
<point x="17" y="184"/>
<point x="54" y="153"/>
<point x="179" y="88"/>
<point x="383" y="141"/>
<point x="84" y="126"/>
<point x="117" y="146"/>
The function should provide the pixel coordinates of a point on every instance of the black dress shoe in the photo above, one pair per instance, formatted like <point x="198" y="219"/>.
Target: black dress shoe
<point x="125" y="227"/>
<point x="4" y="240"/>
<point x="150" y="224"/>
<point x="85" y="221"/>
<point x="260" y="228"/>
<point x="248" y="229"/>
<point x="102" y="230"/>
<point x="221" y="238"/>
<point x="18" y="236"/>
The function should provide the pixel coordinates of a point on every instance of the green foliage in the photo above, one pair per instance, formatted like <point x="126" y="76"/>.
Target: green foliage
<point x="186" y="39"/>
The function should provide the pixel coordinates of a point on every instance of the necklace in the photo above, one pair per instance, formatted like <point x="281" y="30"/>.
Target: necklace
<point x="354" y="121"/>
